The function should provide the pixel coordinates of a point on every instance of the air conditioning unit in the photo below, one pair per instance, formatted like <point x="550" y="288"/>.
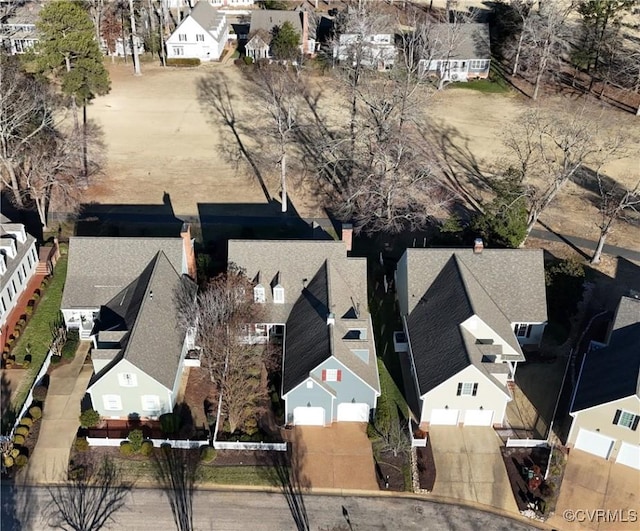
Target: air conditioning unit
<point x="454" y="77"/>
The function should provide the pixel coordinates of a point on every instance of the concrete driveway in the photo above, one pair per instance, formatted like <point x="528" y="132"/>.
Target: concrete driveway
<point x="592" y="483"/>
<point x="60" y="420"/>
<point x="339" y="456"/>
<point x="469" y="466"/>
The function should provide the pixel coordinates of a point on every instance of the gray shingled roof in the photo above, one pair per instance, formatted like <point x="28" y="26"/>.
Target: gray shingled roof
<point x="146" y="308"/>
<point x="465" y="41"/>
<point x="513" y="278"/>
<point x="307" y="332"/>
<point x="206" y="15"/>
<point x="21" y="248"/>
<point x="295" y="263"/>
<point x="613" y="372"/>
<point x="99" y="268"/>
<point x="266" y="19"/>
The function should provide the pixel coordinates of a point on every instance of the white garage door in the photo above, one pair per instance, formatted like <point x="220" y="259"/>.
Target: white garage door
<point x="308" y="416"/>
<point x="629" y="455"/>
<point x="444" y="417"/>
<point x="594" y="443"/>
<point x="478" y="417"/>
<point x="353" y="412"/>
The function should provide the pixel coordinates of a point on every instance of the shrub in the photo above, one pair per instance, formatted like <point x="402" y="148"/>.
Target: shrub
<point x="183" y="61"/>
<point x="39" y="393"/>
<point x="18" y="439"/>
<point x="35" y="412"/>
<point x="16" y="334"/>
<point x="81" y="444"/>
<point x="208" y="454"/>
<point x="26" y="364"/>
<point x="247" y="60"/>
<point x="28" y="310"/>
<point x="170" y="423"/>
<point x="136" y="438"/>
<point x="7" y="460"/>
<point x="21" y="323"/>
<point x="26" y="421"/>
<point x="15" y="452"/>
<point x="22" y="460"/>
<point x="55" y="360"/>
<point x="126" y="448"/>
<point x="23" y="430"/>
<point x="146" y="448"/>
<point x="89" y="418"/>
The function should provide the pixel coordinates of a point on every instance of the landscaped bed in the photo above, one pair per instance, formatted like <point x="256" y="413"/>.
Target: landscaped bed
<point x="426" y="468"/>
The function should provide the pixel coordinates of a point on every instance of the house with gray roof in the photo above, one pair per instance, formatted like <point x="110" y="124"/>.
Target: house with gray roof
<point x="606" y="402"/>
<point x="315" y="299"/>
<point x="467" y="315"/>
<point x="202" y="34"/>
<point x="99" y="268"/>
<point x="139" y="351"/>
<point x="265" y="21"/>
<point x="457" y="52"/>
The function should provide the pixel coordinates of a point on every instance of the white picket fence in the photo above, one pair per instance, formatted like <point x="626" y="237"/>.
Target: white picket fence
<point x="526" y="443"/>
<point x="253" y="446"/>
<point x="175" y="443"/>
<point x="27" y="403"/>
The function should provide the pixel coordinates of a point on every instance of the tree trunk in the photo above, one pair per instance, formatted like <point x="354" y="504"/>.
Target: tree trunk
<point x="134" y="47"/>
<point x="41" y="207"/>
<point x="283" y="180"/>
<point x="517" y="59"/>
<point x="162" y="47"/>
<point x="595" y="259"/>
<point x="15" y="186"/>
<point x="541" y="69"/>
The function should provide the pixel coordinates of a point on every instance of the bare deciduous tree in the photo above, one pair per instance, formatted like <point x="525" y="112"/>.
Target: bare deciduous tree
<point x="90" y="501"/>
<point x="615" y="202"/>
<point x="549" y="147"/>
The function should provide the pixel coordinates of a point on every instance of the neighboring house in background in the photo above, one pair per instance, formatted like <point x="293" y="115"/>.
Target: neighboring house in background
<point x="263" y="21"/>
<point x="378" y="51"/>
<point x="202" y="35"/>
<point x="258" y="47"/>
<point x="99" y="268"/>
<point x="139" y="351"/>
<point x="316" y="304"/>
<point x="467" y="314"/>
<point x="176" y="4"/>
<point x="18" y="264"/>
<point x="606" y="402"/>
<point x="18" y="31"/>
<point x="457" y="52"/>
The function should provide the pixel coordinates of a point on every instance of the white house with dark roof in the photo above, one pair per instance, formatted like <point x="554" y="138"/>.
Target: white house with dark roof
<point x="467" y="313"/>
<point x="457" y="52"/>
<point x="18" y="263"/>
<point x="606" y="403"/>
<point x="202" y="35"/>
<point x="315" y="299"/>
<point x="18" y="32"/>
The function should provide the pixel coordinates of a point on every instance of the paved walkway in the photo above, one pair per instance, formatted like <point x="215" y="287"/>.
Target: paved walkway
<point x="469" y="466"/>
<point x="339" y="456"/>
<point x="60" y="419"/>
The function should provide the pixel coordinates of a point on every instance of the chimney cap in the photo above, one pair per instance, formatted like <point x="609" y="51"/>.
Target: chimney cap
<point x="478" y="245"/>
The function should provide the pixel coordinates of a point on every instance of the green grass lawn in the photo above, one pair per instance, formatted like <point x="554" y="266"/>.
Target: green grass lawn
<point x="37" y="333"/>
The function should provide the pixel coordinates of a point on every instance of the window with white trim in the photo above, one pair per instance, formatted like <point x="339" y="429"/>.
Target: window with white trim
<point x="626" y="419"/>
<point x="182" y="37"/>
<point x="362" y="353"/>
<point x="259" y="294"/>
<point x="331" y="375"/>
<point x="20" y="277"/>
<point x="522" y="330"/>
<point x="3" y="306"/>
<point x="178" y="50"/>
<point x="278" y="294"/>
<point x="309" y="384"/>
<point x="357" y="334"/>
<point x="479" y="64"/>
<point x="33" y="253"/>
<point x="150" y="403"/>
<point x="112" y="402"/>
<point x="127" y="379"/>
<point x="467" y="389"/>
<point x="199" y="37"/>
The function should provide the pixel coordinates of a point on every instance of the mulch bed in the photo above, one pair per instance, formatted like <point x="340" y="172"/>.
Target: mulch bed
<point x="526" y="492"/>
<point x="199" y="397"/>
<point x="389" y="471"/>
<point x="426" y="467"/>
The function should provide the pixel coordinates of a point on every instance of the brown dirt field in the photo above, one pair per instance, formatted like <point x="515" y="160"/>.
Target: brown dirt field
<point x="160" y="139"/>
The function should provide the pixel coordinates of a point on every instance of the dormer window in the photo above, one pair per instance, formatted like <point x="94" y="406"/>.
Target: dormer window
<point x="278" y="294"/>
<point x="259" y="294"/>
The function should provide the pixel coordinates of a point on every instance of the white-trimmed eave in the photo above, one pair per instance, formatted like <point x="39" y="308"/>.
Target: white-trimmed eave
<point x="357" y="375"/>
<point x="457" y="376"/>
<point x="609" y="403"/>
<point x="175" y="31"/>
<point x="90" y="388"/>
<point x="314" y="380"/>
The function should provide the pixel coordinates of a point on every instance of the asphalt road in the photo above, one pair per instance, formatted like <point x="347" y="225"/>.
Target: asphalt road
<point x="148" y="509"/>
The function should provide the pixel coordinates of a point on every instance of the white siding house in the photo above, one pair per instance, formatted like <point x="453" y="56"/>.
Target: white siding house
<point x="376" y="51"/>
<point x="201" y="35"/>
<point x="18" y="262"/>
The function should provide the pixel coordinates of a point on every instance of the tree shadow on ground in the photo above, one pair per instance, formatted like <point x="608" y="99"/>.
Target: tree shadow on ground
<point x="28" y="217"/>
<point x="18" y="510"/>
<point x="284" y="469"/>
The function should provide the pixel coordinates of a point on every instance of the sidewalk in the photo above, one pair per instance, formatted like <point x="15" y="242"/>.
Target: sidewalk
<point x="60" y="420"/>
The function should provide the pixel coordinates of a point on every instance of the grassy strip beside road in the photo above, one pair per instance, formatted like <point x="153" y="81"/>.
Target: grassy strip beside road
<point x="37" y="334"/>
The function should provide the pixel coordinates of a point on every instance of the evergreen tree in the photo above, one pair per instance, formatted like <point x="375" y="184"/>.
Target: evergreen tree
<point x="285" y="43"/>
<point x="68" y="51"/>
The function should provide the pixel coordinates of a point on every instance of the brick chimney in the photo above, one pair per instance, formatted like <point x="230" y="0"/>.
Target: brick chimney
<point x="188" y="253"/>
<point x="347" y="235"/>
<point x="478" y="245"/>
<point x="305" y="33"/>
